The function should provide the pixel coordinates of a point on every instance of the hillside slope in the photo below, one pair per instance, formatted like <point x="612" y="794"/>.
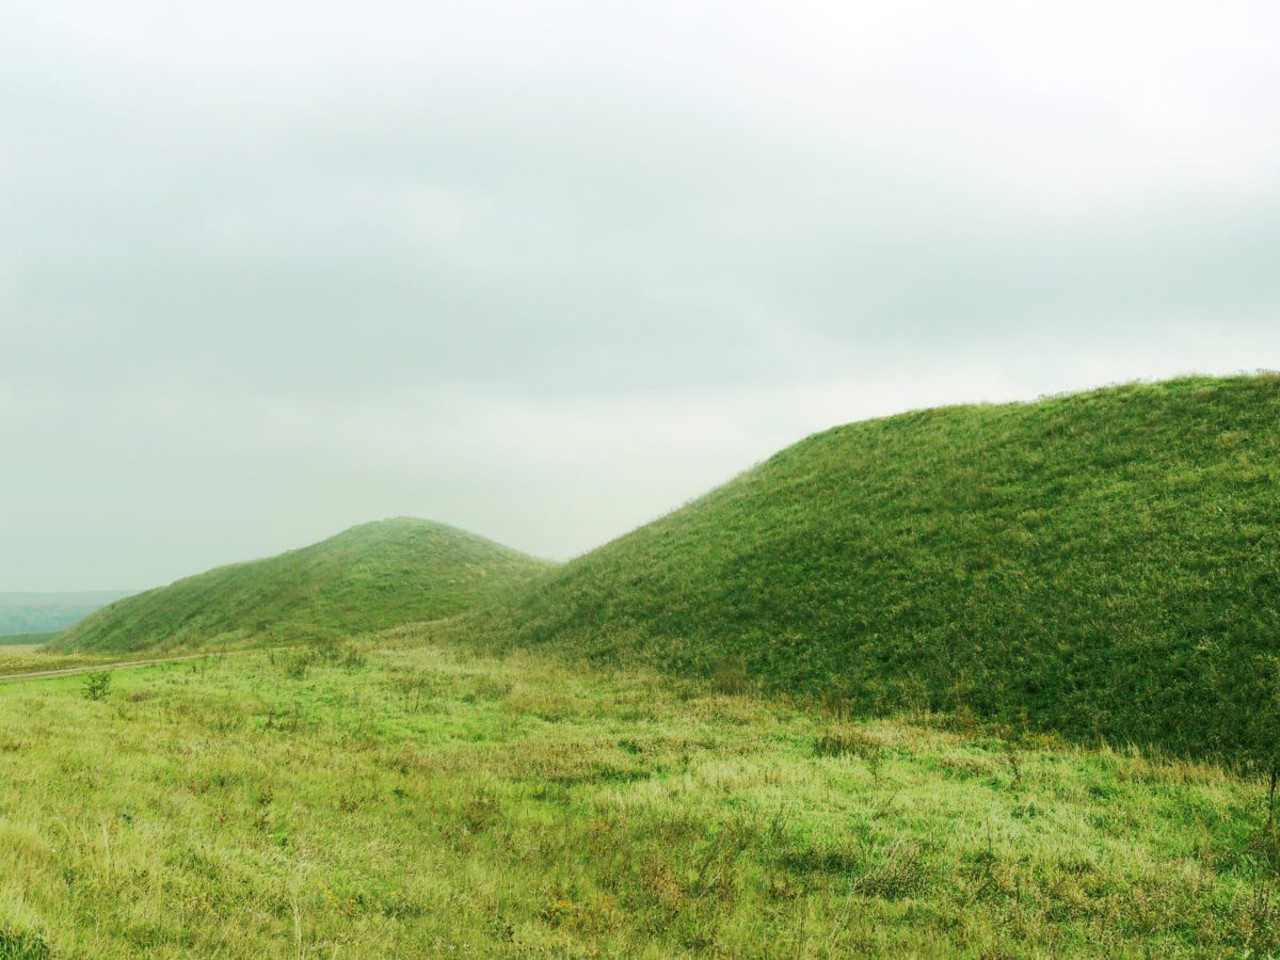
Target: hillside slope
<point x="369" y="577"/>
<point x="1103" y="564"/>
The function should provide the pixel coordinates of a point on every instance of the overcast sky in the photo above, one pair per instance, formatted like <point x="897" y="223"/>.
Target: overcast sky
<point x="546" y="270"/>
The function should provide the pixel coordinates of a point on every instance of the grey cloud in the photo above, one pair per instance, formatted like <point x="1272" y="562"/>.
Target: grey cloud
<point x="269" y="270"/>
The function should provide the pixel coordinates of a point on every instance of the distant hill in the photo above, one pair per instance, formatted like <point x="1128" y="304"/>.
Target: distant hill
<point x="367" y="578"/>
<point x="1102" y="564"/>
<point x="46" y="612"/>
<point x="27" y="639"/>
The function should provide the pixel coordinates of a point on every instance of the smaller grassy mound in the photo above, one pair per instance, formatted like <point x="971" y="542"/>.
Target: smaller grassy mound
<point x="367" y="578"/>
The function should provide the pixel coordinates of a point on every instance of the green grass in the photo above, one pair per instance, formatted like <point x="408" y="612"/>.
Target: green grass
<point x="1099" y="565"/>
<point x="367" y="578"/>
<point x="372" y="800"/>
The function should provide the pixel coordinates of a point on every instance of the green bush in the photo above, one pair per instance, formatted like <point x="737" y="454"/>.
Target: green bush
<point x="97" y="685"/>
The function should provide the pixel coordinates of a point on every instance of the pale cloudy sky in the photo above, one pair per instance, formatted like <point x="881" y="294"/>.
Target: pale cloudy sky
<point x="545" y="270"/>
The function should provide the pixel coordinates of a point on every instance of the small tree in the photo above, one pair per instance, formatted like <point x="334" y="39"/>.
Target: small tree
<point x="97" y="684"/>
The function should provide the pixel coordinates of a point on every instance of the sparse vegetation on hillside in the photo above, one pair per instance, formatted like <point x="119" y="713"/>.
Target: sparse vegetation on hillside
<point x="1102" y="565"/>
<point x="361" y="800"/>
<point x="367" y="578"/>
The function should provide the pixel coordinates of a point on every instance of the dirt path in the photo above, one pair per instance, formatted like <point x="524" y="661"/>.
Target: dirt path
<point x="92" y="667"/>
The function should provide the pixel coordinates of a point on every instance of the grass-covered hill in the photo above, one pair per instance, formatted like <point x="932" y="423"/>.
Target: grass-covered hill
<point x="367" y="578"/>
<point x="1103" y="564"/>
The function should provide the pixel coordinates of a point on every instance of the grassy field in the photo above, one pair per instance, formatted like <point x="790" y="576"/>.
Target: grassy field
<point x="370" y="577"/>
<point x="378" y="799"/>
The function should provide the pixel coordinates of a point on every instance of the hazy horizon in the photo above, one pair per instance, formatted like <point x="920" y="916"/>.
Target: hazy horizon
<point x="547" y="271"/>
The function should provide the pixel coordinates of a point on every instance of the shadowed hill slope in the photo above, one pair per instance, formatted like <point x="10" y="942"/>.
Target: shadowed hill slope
<point x="367" y="578"/>
<point x="1103" y="564"/>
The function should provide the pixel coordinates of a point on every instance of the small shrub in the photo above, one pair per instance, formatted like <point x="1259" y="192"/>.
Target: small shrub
<point x="97" y="685"/>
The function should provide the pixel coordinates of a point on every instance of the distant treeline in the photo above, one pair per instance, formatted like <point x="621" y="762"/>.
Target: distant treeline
<point x="46" y="612"/>
<point x="27" y="639"/>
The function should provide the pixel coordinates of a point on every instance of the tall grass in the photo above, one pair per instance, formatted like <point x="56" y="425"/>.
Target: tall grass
<point x="395" y="802"/>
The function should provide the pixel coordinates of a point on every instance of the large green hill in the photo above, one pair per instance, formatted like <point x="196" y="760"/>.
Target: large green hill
<point x="369" y="577"/>
<point x="1102" y="564"/>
